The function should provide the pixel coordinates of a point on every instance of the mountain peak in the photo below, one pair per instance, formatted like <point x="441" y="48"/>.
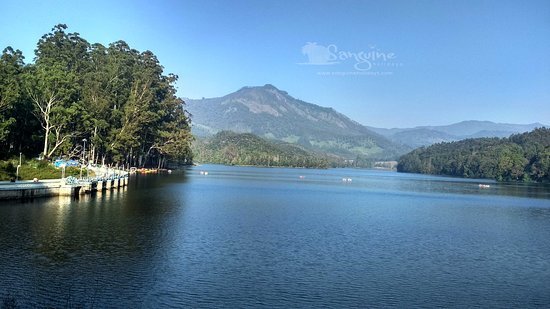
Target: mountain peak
<point x="267" y="89"/>
<point x="274" y="114"/>
<point x="270" y="87"/>
<point x="266" y="86"/>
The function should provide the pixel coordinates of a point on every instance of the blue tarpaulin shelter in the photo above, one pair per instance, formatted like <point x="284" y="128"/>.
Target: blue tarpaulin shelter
<point x="59" y="163"/>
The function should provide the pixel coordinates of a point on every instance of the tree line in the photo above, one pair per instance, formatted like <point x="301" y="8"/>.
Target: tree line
<point x="232" y="148"/>
<point x="520" y="157"/>
<point x="112" y="100"/>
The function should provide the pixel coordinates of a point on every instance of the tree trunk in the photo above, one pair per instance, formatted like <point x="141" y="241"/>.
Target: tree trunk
<point x="47" y="127"/>
<point x="45" y="107"/>
<point x="93" y="145"/>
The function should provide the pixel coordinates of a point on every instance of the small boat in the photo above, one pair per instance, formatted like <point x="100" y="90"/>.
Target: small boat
<point x="484" y="186"/>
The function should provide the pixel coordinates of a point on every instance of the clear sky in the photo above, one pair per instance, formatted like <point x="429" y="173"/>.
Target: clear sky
<point x="431" y="62"/>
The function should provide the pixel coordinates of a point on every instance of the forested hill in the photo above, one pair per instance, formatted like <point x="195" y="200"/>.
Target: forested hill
<point x="273" y="114"/>
<point x="248" y="149"/>
<point x="520" y="157"/>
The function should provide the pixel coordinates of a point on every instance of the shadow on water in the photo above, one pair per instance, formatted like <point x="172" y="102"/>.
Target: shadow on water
<point x="63" y="248"/>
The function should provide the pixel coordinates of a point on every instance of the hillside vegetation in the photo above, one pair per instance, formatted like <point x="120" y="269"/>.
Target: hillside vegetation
<point x="520" y="157"/>
<point x="248" y="149"/>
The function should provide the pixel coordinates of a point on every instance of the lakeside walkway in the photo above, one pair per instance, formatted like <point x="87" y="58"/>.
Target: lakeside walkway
<point x="70" y="186"/>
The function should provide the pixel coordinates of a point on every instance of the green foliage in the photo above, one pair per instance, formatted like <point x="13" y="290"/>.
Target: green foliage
<point x="40" y="169"/>
<point x="7" y="170"/>
<point x="30" y="171"/>
<point x="116" y="98"/>
<point x="521" y="157"/>
<point x="248" y="149"/>
<point x="14" y="108"/>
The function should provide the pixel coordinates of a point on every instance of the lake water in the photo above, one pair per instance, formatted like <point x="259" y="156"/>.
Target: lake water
<point x="280" y="238"/>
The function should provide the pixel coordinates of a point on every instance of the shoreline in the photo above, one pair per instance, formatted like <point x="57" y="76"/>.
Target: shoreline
<point x="70" y="186"/>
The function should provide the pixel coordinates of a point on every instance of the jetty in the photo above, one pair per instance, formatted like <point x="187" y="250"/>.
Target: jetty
<point x="70" y="186"/>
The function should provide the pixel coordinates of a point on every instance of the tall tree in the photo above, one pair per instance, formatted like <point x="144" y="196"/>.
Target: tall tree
<point x="11" y="66"/>
<point x="54" y="84"/>
<point x="115" y="97"/>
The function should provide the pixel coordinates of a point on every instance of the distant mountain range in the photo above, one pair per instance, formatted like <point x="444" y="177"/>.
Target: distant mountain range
<point x="273" y="114"/>
<point x="428" y="135"/>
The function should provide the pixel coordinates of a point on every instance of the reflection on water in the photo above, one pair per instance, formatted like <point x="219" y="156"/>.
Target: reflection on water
<point x="60" y="224"/>
<point x="281" y="238"/>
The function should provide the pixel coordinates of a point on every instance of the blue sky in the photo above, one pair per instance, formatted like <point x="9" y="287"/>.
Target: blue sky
<point x="450" y="60"/>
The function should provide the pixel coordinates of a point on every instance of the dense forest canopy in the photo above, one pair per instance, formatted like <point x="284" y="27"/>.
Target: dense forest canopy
<point x="521" y="157"/>
<point x="232" y="148"/>
<point x="112" y="100"/>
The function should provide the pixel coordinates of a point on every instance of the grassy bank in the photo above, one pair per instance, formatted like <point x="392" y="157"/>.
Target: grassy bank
<point x="31" y="169"/>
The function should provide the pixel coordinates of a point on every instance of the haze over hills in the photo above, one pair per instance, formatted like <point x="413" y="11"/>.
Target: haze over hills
<point x="428" y="135"/>
<point x="271" y="113"/>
